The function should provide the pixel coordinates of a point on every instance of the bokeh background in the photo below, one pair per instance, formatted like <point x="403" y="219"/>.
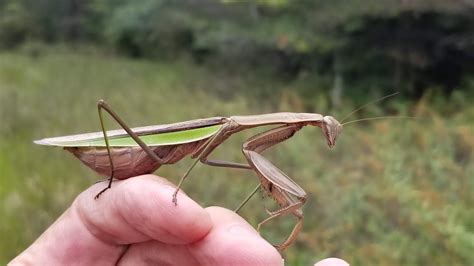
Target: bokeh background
<point x="392" y="192"/>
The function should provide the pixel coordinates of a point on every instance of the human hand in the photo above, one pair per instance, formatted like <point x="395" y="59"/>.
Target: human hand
<point x="135" y="223"/>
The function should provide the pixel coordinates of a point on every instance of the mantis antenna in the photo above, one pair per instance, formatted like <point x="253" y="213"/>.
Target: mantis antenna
<point x="377" y="118"/>
<point x="372" y="102"/>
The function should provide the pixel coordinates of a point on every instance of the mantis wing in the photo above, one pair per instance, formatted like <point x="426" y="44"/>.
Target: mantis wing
<point x="119" y="138"/>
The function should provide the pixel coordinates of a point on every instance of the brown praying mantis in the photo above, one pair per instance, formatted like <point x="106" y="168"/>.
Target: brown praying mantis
<point x="128" y="152"/>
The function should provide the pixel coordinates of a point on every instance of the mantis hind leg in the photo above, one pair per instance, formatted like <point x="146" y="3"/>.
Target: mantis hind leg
<point x="102" y="105"/>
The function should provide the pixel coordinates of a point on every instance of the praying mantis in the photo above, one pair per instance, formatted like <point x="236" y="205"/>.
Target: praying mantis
<point x="128" y="152"/>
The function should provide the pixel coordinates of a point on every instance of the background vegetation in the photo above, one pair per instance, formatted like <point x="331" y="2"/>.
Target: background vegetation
<point x="392" y="192"/>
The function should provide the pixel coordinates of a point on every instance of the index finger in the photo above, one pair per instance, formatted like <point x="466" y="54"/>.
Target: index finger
<point x="140" y="209"/>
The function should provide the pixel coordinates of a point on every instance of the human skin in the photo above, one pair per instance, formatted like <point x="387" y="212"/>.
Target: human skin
<point x="136" y="223"/>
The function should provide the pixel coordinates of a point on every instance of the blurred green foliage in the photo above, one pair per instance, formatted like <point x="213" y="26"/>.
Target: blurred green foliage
<point x="393" y="192"/>
<point x="408" y="46"/>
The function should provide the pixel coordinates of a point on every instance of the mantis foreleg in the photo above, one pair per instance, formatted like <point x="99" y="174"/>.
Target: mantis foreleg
<point x="294" y="232"/>
<point x="271" y="137"/>
<point x="278" y="185"/>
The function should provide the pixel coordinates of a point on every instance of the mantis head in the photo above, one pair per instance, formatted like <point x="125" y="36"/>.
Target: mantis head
<point x="331" y="129"/>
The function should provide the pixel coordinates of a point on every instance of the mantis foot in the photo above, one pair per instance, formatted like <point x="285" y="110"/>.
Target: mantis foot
<point x="100" y="193"/>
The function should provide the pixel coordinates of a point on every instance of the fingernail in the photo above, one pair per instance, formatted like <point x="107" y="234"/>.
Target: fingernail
<point x="237" y="229"/>
<point x="332" y="262"/>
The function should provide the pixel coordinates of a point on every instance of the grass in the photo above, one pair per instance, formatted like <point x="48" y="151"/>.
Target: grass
<point x="391" y="192"/>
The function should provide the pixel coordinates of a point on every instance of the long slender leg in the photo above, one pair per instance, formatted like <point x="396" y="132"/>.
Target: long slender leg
<point x="202" y="154"/>
<point x="102" y="105"/>
<point x="281" y="188"/>
<point x="269" y="138"/>
<point x="226" y="164"/>
<point x="279" y="134"/>
<point x="247" y="199"/>
<point x="282" y="211"/>
<point x="206" y="149"/>
<point x="112" y="167"/>
<point x="294" y="233"/>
